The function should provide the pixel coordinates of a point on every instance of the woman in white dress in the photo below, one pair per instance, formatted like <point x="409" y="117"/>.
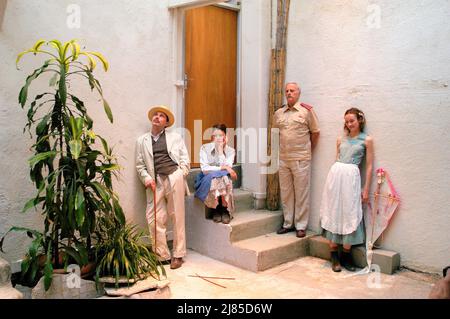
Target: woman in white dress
<point x="341" y="207"/>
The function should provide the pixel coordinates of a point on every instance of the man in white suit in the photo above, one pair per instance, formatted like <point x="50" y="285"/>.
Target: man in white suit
<point x="162" y="162"/>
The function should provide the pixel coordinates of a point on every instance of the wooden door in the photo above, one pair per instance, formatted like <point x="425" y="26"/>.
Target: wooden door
<point x="211" y="68"/>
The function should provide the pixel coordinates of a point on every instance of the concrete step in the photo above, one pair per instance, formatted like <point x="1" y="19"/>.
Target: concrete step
<point x="249" y="241"/>
<point x="271" y="249"/>
<point x="254" y="223"/>
<point x="387" y="261"/>
<point x="243" y="200"/>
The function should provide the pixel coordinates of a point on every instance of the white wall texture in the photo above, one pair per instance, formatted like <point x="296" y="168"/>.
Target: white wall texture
<point x="398" y="74"/>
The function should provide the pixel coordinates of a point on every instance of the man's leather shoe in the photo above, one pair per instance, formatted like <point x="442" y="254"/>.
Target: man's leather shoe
<point x="165" y="262"/>
<point x="301" y="233"/>
<point x="176" y="263"/>
<point x="283" y="230"/>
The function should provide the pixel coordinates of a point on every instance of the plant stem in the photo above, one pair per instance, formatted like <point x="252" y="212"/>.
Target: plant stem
<point x="58" y="187"/>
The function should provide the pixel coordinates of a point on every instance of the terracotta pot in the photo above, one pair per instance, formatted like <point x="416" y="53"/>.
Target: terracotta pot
<point x="88" y="269"/>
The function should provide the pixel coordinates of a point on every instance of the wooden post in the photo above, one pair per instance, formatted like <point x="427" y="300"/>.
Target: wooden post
<point x="2" y="12"/>
<point x="276" y="93"/>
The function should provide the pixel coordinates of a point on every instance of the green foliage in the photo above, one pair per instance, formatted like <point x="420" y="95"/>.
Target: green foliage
<point x="72" y="178"/>
<point x="120" y="252"/>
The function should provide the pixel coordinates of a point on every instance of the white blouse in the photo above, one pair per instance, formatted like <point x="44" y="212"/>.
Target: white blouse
<point x="210" y="160"/>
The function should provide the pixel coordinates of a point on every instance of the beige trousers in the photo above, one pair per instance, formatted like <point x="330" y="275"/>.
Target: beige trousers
<point x="169" y="202"/>
<point x="294" y="187"/>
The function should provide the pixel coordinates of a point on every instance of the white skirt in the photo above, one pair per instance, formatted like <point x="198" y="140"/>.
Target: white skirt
<point x="341" y="209"/>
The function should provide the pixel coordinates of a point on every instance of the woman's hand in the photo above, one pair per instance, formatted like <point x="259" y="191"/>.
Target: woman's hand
<point x="365" y="195"/>
<point x="230" y="171"/>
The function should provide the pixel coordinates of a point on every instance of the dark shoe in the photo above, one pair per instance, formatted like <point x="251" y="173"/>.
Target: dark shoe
<point x="176" y="263"/>
<point x="347" y="261"/>
<point x="283" y="230"/>
<point x="226" y="218"/>
<point x="335" y="265"/>
<point x="165" y="262"/>
<point x="301" y="233"/>
<point x="217" y="217"/>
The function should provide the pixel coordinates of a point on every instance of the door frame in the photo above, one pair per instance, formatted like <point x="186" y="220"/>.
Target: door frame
<point x="177" y="12"/>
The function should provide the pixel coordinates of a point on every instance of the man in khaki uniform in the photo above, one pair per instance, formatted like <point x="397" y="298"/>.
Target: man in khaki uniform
<point x="299" y="133"/>
<point x="162" y="162"/>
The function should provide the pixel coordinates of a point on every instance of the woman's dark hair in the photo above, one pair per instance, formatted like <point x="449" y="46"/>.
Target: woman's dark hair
<point x="359" y="117"/>
<point x="221" y="127"/>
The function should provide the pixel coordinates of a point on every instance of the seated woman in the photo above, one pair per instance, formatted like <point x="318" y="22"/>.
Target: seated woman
<point x="213" y="185"/>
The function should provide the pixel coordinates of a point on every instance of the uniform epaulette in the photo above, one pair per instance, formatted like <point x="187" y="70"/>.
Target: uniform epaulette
<point x="306" y="106"/>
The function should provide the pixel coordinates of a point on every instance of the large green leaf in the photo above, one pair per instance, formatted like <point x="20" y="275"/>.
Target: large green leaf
<point x="118" y="211"/>
<point x="80" y="207"/>
<point x="32" y="203"/>
<point x="108" y="110"/>
<point x="75" y="148"/>
<point x="41" y="157"/>
<point x="62" y="85"/>
<point x="101" y="58"/>
<point x="58" y="46"/>
<point x="75" y="50"/>
<point x="38" y="44"/>
<point x="24" y="91"/>
<point x="74" y="254"/>
<point x="76" y="126"/>
<point x="92" y="63"/>
<point x="42" y="127"/>
<point x="84" y="256"/>
<point x="109" y="167"/>
<point x="20" y="55"/>
<point x="102" y="191"/>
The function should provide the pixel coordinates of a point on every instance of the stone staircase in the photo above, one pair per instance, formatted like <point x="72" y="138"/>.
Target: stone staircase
<point x="249" y="241"/>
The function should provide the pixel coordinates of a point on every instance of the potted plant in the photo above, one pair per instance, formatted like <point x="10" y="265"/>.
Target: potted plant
<point x="73" y="178"/>
<point x="122" y="257"/>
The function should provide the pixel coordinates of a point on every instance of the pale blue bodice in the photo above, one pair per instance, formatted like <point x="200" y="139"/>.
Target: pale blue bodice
<point x="352" y="150"/>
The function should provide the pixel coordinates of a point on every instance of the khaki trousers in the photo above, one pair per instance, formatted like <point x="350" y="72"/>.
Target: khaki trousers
<point x="169" y="202"/>
<point x="294" y="187"/>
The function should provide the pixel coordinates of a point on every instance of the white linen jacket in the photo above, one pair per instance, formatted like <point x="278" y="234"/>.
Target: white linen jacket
<point x="144" y="155"/>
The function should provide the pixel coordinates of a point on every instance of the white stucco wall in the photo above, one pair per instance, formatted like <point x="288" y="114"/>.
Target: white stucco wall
<point x="399" y="75"/>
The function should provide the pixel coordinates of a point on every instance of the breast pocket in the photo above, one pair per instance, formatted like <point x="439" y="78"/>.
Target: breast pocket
<point x="282" y="123"/>
<point x="299" y="121"/>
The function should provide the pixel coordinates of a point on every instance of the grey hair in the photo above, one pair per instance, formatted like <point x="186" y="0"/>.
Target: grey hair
<point x="294" y="83"/>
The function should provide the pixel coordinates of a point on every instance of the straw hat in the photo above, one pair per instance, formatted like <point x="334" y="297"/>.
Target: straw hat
<point x="164" y="109"/>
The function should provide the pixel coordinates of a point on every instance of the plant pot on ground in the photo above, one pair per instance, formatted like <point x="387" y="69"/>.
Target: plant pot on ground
<point x="123" y="256"/>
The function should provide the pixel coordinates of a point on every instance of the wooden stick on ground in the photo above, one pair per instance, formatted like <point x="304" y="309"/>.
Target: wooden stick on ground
<point x="212" y="277"/>
<point x="210" y="281"/>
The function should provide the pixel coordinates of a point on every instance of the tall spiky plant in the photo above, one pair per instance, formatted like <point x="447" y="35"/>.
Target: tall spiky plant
<point x="73" y="179"/>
